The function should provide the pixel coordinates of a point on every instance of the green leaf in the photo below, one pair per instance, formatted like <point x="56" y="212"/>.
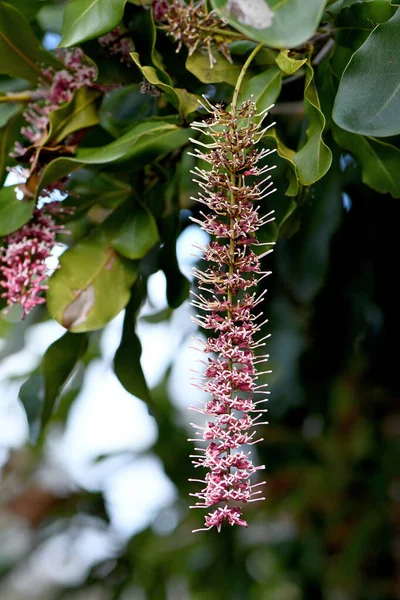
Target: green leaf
<point x="177" y="284"/>
<point x="148" y="139"/>
<point x="87" y="188"/>
<point x="29" y="8"/>
<point x="183" y="100"/>
<point x="14" y="213"/>
<point x="334" y="8"/>
<point x="288" y="155"/>
<point x="124" y="107"/>
<point x="314" y="158"/>
<point x="50" y="17"/>
<point x="30" y="395"/>
<point x="58" y="365"/>
<point x="320" y="220"/>
<point x="7" y="110"/>
<point x="80" y="112"/>
<point x="8" y="137"/>
<point x="287" y="64"/>
<point x="289" y="25"/>
<point x="380" y="162"/>
<point x="368" y="99"/>
<point x="137" y="235"/>
<point x="222" y="71"/>
<point x="144" y="36"/>
<point x="354" y="24"/>
<point x="127" y="365"/>
<point x="264" y="88"/>
<point x="88" y="19"/>
<point x="93" y="283"/>
<point x="20" y="51"/>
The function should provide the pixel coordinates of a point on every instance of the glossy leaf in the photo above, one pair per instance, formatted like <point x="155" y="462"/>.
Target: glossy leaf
<point x="13" y="212"/>
<point x="288" y="64"/>
<point x="20" y="50"/>
<point x="29" y="8"/>
<point x="58" y="365"/>
<point x="80" y="112"/>
<point x="88" y="19"/>
<point x="314" y="158"/>
<point x="380" y="161"/>
<point x="8" y="137"/>
<point x="87" y="188"/>
<point x="150" y="138"/>
<point x="287" y="155"/>
<point x="7" y="110"/>
<point x="264" y="88"/>
<point x="354" y="24"/>
<point x="289" y="25"/>
<point x="137" y="235"/>
<point x="177" y="284"/>
<point x="93" y="283"/>
<point x="183" y="100"/>
<point x="321" y="219"/>
<point x="123" y="107"/>
<point x="127" y="365"/>
<point x="368" y="99"/>
<point x="336" y="6"/>
<point x="30" y="396"/>
<point x="221" y="72"/>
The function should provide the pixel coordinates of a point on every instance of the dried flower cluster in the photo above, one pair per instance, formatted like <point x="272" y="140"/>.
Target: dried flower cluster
<point x="191" y="25"/>
<point x="55" y="88"/>
<point x="118" y="44"/>
<point x="228" y="301"/>
<point x="22" y="259"/>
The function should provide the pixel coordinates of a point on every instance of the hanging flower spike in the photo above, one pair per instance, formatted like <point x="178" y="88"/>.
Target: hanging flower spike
<point x="22" y="260"/>
<point x="234" y="269"/>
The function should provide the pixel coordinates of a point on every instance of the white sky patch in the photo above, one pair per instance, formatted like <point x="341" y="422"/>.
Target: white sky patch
<point x="13" y="422"/>
<point x="156" y="294"/>
<point x="65" y="558"/>
<point x="185" y="250"/>
<point x="145" y="489"/>
<point x="180" y="387"/>
<point x="105" y="419"/>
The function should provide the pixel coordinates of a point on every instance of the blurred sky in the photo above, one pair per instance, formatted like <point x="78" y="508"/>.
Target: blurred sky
<point x="106" y="419"/>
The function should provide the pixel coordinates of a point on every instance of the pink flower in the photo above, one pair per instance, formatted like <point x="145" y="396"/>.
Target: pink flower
<point x="160" y="9"/>
<point x="22" y="260"/>
<point x="234" y="268"/>
<point x="118" y="45"/>
<point x="55" y="88"/>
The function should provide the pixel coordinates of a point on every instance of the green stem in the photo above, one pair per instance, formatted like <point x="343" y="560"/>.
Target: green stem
<point x="17" y="97"/>
<point x="223" y="32"/>
<point x="242" y="74"/>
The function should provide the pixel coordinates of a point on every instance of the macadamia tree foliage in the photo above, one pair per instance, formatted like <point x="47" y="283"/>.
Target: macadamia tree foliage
<point x="150" y="119"/>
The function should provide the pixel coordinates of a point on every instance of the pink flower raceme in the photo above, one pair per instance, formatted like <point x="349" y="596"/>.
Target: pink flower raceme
<point x="55" y="88"/>
<point x="234" y="268"/>
<point x="117" y="44"/>
<point x="22" y="259"/>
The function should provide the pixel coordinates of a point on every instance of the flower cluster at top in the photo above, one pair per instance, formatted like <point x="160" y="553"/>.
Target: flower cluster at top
<point x="22" y="259"/>
<point x="227" y="297"/>
<point x="118" y="45"/>
<point x="55" y="88"/>
<point x="191" y="25"/>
